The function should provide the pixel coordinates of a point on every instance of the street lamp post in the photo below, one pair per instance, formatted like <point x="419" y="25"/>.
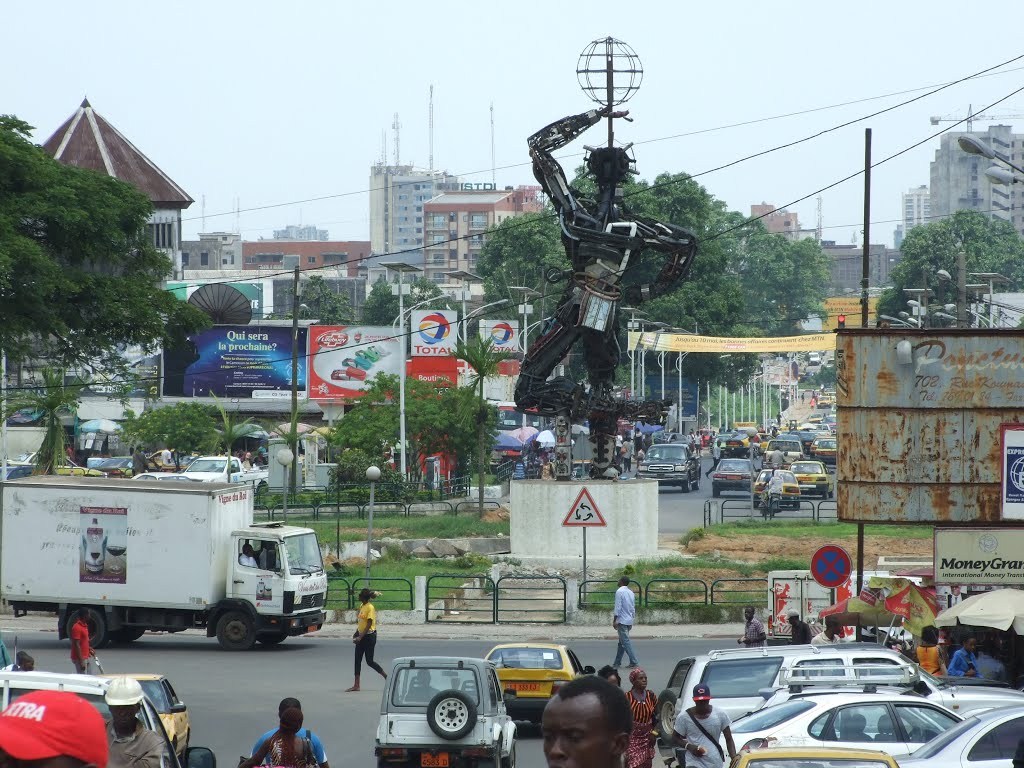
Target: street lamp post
<point x="373" y="475"/>
<point x="285" y="457"/>
<point x="467" y="279"/>
<point x="751" y="431"/>
<point x="401" y="268"/>
<point x="525" y="309"/>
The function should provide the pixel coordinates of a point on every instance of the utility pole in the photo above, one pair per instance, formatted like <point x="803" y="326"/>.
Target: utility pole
<point x="961" y="289"/>
<point x="293" y="438"/>
<point x="865" y="269"/>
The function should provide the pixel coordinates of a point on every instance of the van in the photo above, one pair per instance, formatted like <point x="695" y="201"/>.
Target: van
<point x="814" y="358"/>
<point x="791" y="449"/>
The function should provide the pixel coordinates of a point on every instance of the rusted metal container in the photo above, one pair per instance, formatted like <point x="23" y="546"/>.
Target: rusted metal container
<point x="918" y="422"/>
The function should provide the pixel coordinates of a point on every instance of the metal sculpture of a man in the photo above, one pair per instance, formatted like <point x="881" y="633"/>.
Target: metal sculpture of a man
<point x="605" y="243"/>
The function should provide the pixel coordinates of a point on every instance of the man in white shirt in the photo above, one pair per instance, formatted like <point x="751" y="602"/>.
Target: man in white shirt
<point x="622" y="621"/>
<point x="830" y="635"/>
<point x="248" y="556"/>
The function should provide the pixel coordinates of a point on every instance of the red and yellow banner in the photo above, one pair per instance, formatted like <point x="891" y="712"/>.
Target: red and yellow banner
<point x="688" y="342"/>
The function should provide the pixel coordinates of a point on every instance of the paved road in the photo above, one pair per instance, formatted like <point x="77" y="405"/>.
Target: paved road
<point x="232" y="697"/>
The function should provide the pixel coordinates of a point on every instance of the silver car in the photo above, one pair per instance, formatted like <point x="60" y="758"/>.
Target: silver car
<point x="985" y="740"/>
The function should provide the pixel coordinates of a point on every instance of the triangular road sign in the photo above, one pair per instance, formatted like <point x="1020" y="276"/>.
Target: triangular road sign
<point x="584" y="513"/>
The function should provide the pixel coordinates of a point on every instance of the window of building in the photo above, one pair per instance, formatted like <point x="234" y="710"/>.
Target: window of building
<point x="437" y="220"/>
<point x="453" y="216"/>
<point x="184" y="258"/>
<point x="419" y="219"/>
<point x="204" y="259"/>
<point x="311" y="259"/>
<point x="419" y="230"/>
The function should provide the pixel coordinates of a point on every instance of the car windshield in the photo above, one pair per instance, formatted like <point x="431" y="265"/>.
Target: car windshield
<point x="114" y="463"/>
<point x="939" y="743"/>
<point x="741" y="677"/>
<point x="667" y="453"/>
<point x="817" y="762"/>
<point x="772" y="716"/>
<point x="807" y="467"/>
<point x="154" y="689"/>
<point x="303" y="554"/>
<point x="785" y="445"/>
<point x="207" y="465"/>
<point x="415" y="687"/>
<point x="824" y="443"/>
<point x="734" y="465"/>
<point x="526" y="658"/>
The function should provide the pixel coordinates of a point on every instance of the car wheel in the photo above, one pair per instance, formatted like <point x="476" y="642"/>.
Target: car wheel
<point x="666" y="712"/>
<point x="685" y="487"/>
<point x="235" y="631"/>
<point x="451" y="714"/>
<point x="510" y="761"/>
<point x="696" y="482"/>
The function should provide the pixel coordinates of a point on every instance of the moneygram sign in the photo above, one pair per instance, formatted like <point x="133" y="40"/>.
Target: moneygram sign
<point x="979" y="556"/>
<point x="434" y="333"/>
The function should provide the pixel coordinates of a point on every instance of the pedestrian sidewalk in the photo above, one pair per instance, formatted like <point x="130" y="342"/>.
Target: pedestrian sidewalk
<point x="556" y="633"/>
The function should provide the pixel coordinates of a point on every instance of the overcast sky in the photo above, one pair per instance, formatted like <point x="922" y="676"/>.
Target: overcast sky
<point x="274" y="103"/>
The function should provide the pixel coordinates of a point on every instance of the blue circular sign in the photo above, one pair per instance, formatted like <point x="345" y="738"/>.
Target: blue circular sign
<point x="831" y="566"/>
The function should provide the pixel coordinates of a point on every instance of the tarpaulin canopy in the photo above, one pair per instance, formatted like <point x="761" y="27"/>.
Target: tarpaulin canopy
<point x="999" y="609"/>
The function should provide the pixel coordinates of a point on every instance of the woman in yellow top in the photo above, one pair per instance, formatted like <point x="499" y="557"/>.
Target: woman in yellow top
<point x="365" y="637"/>
<point x="928" y="654"/>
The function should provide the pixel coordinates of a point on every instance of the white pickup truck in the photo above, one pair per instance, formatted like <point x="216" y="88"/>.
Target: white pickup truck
<point x="225" y="469"/>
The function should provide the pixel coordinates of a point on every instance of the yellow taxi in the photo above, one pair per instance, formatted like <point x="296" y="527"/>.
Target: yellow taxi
<point x="826" y="400"/>
<point x="535" y="671"/>
<point x="813" y="479"/>
<point x="824" y="449"/>
<point x="815" y="419"/>
<point x="790" y="498"/>
<point x="753" y="754"/>
<point x="172" y="710"/>
<point x="736" y="446"/>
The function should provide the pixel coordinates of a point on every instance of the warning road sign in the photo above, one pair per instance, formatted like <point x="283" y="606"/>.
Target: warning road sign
<point x="831" y="566"/>
<point x="584" y="513"/>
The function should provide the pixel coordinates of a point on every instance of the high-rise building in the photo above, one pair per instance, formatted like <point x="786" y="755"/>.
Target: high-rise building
<point x="958" y="180"/>
<point x="456" y="227"/>
<point x="779" y="221"/>
<point x="847" y="265"/>
<point x="308" y="232"/>
<point x="397" y="196"/>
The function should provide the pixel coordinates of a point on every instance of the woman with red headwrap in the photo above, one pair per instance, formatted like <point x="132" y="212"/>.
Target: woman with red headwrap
<point x="640" y="752"/>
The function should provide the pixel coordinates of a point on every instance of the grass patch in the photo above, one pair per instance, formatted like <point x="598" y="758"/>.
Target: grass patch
<point x="806" y="529"/>
<point x="330" y="530"/>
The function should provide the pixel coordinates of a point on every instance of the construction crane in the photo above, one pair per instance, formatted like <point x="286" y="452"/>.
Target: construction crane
<point x="936" y="119"/>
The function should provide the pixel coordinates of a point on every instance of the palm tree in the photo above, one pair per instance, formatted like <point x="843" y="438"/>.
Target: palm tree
<point x="481" y="355"/>
<point x="53" y="400"/>
<point x="231" y="428"/>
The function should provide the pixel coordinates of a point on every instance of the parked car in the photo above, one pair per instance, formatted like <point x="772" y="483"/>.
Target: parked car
<point x="535" y="671"/>
<point x="15" y="471"/>
<point x="813" y="757"/>
<point x="172" y="710"/>
<point x="444" y="711"/>
<point x="732" y="475"/>
<point x="118" y="466"/>
<point x="165" y="476"/>
<point x="984" y="740"/>
<point x="813" y="478"/>
<point x="671" y="464"/>
<point x="891" y="721"/>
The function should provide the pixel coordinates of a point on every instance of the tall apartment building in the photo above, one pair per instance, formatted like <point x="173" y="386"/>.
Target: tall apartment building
<point x="779" y="221"/>
<point x="308" y="232"/>
<point x="275" y="255"/>
<point x="958" y="181"/>
<point x="457" y="222"/>
<point x="397" y="196"/>
<point x="213" y="251"/>
<point x="847" y="263"/>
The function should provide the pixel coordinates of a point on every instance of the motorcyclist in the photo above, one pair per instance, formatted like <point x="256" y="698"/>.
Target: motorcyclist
<point x="774" y="495"/>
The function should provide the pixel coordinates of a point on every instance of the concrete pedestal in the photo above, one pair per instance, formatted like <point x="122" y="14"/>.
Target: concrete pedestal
<point x="629" y="509"/>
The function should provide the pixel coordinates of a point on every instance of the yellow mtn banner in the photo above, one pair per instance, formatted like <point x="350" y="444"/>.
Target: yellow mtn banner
<point x="688" y="342"/>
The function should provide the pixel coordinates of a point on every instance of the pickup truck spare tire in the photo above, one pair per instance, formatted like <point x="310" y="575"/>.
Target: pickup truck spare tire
<point x="666" y="714"/>
<point x="451" y="714"/>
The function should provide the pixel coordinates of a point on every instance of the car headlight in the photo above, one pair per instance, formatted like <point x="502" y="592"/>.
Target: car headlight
<point x="680" y="468"/>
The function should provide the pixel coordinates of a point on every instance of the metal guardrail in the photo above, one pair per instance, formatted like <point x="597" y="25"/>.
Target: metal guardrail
<point x="395" y="592"/>
<point x="710" y="510"/>
<point x="465" y="506"/>
<point x="827" y="509"/>
<point x="523" y="598"/>
<point x="461" y="599"/>
<point x="667" y="593"/>
<point x="589" y="597"/>
<point x="339" y="594"/>
<point x="739" y="591"/>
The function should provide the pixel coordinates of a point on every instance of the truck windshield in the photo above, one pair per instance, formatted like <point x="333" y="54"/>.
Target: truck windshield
<point x="303" y="553"/>
<point x="207" y="465"/>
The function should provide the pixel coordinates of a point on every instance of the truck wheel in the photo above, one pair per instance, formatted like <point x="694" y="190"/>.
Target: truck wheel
<point x="99" y="635"/>
<point x="127" y="634"/>
<point x="666" y="712"/>
<point x="235" y="631"/>
<point x="451" y="714"/>
<point x="271" y="639"/>
<point x="510" y="761"/>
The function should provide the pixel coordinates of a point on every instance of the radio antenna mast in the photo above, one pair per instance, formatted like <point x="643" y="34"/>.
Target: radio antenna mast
<point x="430" y="132"/>
<point x="493" y="169"/>
<point x="397" y="126"/>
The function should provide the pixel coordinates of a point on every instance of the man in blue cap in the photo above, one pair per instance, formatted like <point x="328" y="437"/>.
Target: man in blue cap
<point x="698" y="730"/>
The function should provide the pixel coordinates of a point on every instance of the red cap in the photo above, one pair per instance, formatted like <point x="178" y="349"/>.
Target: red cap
<point x="47" y="724"/>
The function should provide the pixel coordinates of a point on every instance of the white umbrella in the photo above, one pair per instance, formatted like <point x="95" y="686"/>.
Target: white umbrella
<point x="546" y="439"/>
<point x="1000" y="609"/>
<point x="104" y="426"/>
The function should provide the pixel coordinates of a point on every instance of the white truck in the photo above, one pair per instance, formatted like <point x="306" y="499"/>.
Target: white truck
<point x="141" y="556"/>
<point x="225" y="469"/>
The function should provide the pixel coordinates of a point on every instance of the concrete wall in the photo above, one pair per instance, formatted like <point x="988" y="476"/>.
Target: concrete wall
<point x="630" y="511"/>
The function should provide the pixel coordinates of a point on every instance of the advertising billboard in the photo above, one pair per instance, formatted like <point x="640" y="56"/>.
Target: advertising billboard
<point x="140" y="379"/>
<point x="235" y="361"/>
<point x="504" y="334"/>
<point x="442" y="372"/>
<point x="979" y="556"/>
<point x="434" y="332"/>
<point x="345" y="359"/>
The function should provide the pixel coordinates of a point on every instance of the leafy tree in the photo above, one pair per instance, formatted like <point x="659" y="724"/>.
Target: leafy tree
<point x="990" y="245"/>
<point x="520" y="251"/>
<point x="484" y="359"/>
<point x="381" y="306"/>
<point x="78" y="275"/>
<point x="53" y="400"/>
<point x="182" y="427"/>
<point x="232" y="429"/>
<point x="323" y="303"/>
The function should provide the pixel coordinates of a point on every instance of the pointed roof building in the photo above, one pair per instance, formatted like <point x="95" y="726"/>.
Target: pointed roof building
<point x="87" y="140"/>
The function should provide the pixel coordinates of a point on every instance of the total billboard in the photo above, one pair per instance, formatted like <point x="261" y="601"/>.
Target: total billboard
<point x="345" y="359"/>
<point x="235" y="361"/>
<point x="434" y="332"/>
<point x="504" y="334"/>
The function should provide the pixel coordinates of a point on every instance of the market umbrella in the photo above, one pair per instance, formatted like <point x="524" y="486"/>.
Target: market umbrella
<point x="99" y="426"/>
<point x="506" y="441"/>
<point x="904" y="598"/>
<point x="546" y="439"/>
<point x="647" y="429"/>
<point x="286" y="428"/>
<point x="866" y="610"/>
<point x="522" y="434"/>
<point x="999" y="609"/>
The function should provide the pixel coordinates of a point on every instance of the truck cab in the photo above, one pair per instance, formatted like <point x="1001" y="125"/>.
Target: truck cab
<point x="281" y="595"/>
